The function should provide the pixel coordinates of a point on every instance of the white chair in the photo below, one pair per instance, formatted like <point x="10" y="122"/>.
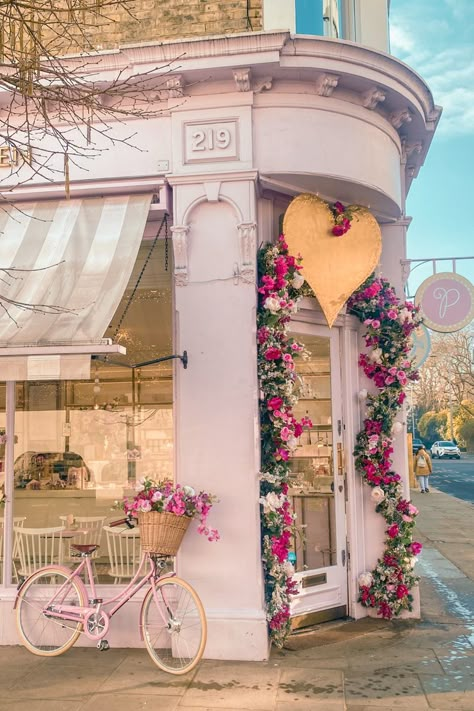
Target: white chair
<point x="89" y="532"/>
<point x="124" y="552"/>
<point x="17" y="521"/>
<point x="37" y="547"/>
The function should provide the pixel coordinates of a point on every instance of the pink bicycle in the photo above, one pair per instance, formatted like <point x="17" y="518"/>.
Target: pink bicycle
<point x="54" y="606"/>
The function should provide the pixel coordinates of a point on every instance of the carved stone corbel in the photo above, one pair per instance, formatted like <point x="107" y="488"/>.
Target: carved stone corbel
<point x="242" y="78"/>
<point x="372" y="97"/>
<point x="409" y="149"/>
<point x="175" y="86"/>
<point x="398" y="118"/>
<point x="180" y="252"/>
<point x="248" y="248"/>
<point x="326" y="83"/>
<point x="263" y="84"/>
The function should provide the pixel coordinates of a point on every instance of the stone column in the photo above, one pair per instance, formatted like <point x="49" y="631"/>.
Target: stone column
<point x="216" y="404"/>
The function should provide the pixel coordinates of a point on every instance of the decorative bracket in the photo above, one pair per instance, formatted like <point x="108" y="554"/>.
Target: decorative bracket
<point x="175" y="86"/>
<point x="248" y="247"/>
<point x="265" y="83"/>
<point x="372" y="97"/>
<point x="398" y="118"/>
<point x="242" y="79"/>
<point x="326" y="83"/>
<point x="180" y="252"/>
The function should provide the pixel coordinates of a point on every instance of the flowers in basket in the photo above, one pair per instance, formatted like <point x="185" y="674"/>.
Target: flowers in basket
<point x="167" y="497"/>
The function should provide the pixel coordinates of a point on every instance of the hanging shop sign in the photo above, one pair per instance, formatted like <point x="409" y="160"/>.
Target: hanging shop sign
<point x="421" y="348"/>
<point x="446" y="302"/>
<point x="340" y="247"/>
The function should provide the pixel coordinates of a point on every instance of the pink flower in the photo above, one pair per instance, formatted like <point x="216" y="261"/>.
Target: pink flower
<point x="272" y="354"/>
<point x="402" y="591"/>
<point x="339" y="207"/>
<point x="393" y="530"/>
<point x="274" y="403"/>
<point x="338" y="230"/>
<point x="415" y="547"/>
<point x="392" y="314"/>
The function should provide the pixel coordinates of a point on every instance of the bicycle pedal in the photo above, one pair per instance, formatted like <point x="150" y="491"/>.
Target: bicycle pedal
<point x="103" y="645"/>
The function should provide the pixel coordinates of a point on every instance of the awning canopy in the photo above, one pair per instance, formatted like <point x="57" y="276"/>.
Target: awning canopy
<point x="65" y="265"/>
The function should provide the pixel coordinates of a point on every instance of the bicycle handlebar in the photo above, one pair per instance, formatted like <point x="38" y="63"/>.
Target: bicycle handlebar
<point x="127" y="521"/>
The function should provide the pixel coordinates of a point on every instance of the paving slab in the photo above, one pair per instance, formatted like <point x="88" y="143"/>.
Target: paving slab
<point x="234" y="686"/>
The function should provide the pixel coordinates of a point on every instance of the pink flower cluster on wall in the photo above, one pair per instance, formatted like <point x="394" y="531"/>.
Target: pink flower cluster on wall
<point x="389" y="323"/>
<point x="279" y="285"/>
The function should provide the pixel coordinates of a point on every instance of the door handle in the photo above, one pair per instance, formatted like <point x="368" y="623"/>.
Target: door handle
<point x="340" y="459"/>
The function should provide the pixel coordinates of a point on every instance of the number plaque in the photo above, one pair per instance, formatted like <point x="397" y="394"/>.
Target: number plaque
<point x="206" y="142"/>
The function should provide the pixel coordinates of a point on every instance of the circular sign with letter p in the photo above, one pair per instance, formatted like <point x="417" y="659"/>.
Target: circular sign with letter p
<point x="446" y="302"/>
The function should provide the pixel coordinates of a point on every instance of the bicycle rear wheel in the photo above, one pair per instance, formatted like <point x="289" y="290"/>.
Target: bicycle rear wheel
<point x="40" y="633"/>
<point x="174" y="626"/>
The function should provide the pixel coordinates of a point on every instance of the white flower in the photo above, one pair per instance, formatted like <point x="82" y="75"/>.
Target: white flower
<point x="271" y="502"/>
<point x="363" y="394"/>
<point x="376" y="355"/>
<point x="405" y="315"/>
<point x="397" y="427"/>
<point x="140" y="485"/>
<point x="413" y="561"/>
<point x="365" y="580"/>
<point x="189" y="491"/>
<point x="271" y="304"/>
<point x="377" y="494"/>
<point x="288" y="568"/>
<point x="292" y="442"/>
<point x="297" y="281"/>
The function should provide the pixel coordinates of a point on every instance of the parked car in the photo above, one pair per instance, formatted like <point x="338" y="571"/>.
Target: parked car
<point x="445" y="448"/>
<point x="417" y="443"/>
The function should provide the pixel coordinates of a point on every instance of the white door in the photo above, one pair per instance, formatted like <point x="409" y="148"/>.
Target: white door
<point x="317" y="484"/>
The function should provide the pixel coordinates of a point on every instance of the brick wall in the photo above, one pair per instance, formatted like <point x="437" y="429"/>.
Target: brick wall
<point x="157" y="20"/>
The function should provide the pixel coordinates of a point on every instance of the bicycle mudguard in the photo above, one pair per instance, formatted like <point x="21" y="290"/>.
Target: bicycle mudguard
<point x="61" y="568"/>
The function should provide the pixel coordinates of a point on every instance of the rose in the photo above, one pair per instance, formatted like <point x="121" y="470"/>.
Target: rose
<point x="365" y="580"/>
<point x="377" y="494"/>
<point x="415" y="547"/>
<point x="271" y="304"/>
<point x="338" y="230"/>
<point x="393" y="530"/>
<point x="297" y="281"/>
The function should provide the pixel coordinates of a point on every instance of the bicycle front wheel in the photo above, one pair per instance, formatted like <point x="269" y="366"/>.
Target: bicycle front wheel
<point x="174" y="626"/>
<point x="41" y="633"/>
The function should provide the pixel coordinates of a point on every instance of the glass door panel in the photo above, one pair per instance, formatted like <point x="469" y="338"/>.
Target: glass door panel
<point x="317" y="480"/>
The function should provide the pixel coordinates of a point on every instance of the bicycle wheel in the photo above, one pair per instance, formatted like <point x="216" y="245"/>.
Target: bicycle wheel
<point x="41" y="634"/>
<point x="174" y="626"/>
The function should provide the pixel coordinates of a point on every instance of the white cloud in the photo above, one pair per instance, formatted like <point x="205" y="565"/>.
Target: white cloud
<point x="434" y="39"/>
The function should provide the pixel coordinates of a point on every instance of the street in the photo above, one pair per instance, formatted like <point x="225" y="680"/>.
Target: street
<point x="455" y="476"/>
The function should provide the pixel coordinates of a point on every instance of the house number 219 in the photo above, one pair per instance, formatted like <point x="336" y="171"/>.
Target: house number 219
<point x="210" y="138"/>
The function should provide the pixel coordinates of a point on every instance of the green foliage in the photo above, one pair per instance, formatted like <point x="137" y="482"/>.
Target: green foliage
<point x="466" y="433"/>
<point x="432" y="425"/>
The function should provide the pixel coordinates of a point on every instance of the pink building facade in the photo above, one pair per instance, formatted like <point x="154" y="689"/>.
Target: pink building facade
<point x="248" y="122"/>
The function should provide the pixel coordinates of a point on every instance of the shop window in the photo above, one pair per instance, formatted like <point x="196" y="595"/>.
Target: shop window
<point x="82" y="445"/>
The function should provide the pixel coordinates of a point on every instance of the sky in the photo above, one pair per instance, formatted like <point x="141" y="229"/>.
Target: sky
<point x="436" y="39"/>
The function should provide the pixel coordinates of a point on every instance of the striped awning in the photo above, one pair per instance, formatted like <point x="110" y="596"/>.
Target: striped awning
<point x="64" y="267"/>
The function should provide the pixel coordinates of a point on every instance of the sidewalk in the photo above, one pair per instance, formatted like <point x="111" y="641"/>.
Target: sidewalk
<point x="370" y="665"/>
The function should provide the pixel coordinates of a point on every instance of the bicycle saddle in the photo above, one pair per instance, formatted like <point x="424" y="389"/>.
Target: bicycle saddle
<point x="85" y="547"/>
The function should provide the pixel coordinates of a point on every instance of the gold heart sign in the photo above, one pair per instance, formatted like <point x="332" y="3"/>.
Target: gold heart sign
<point x="334" y="267"/>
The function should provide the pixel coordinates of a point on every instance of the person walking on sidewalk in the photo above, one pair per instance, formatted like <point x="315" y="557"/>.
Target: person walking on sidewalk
<point x="422" y="467"/>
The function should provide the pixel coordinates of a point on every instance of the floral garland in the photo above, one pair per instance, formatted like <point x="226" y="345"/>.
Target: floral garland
<point x="279" y="285"/>
<point x="343" y="217"/>
<point x="389" y="323"/>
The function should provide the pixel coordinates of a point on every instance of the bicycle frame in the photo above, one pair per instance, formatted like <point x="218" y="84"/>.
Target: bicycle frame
<point x="54" y="608"/>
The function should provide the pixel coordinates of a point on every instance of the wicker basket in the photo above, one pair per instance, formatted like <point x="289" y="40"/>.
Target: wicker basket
<point x="162" y="532"/>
